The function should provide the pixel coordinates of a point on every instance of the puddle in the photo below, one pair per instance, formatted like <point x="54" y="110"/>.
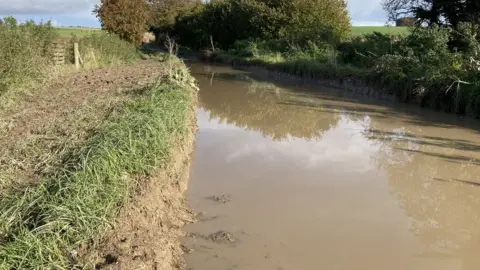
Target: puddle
<point x="312" y="180"/>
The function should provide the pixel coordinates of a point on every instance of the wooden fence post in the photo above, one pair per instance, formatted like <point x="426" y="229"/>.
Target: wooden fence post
<point x="77" y="55"/>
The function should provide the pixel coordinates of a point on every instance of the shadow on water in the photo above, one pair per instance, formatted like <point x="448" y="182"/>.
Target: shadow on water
<point x="472" y="183"/>
<point x="458" y="144"/>
<point x="450" y="158"/>
<point x="412" y="114"/>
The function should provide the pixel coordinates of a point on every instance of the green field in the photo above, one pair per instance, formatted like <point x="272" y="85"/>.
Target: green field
<point x="77" y="31"/>
<point x="361" y="30"/>
<point x="356" y="30"/>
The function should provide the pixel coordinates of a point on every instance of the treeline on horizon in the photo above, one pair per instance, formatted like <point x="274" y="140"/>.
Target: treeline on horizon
<point x="435" y="65"/>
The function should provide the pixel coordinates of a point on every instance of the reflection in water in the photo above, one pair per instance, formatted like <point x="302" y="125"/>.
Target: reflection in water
<point x="256" y="107"/>
<point x="405" y="191"/>
<point x="343" y="142"/>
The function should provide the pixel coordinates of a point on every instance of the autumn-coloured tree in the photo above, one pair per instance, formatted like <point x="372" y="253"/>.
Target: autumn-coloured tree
<point x="126" y="18"/>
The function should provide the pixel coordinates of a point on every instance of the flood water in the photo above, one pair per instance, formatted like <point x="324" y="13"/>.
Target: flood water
<point x="289" y="178"/>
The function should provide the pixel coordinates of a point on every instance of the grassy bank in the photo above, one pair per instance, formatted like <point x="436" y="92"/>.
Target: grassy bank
<point x="44" y="225"/>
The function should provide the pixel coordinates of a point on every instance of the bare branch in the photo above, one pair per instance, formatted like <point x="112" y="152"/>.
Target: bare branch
<point x="171" y="45"/>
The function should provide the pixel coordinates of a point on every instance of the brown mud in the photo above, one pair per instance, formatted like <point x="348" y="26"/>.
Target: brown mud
<point x="149" y="227"/>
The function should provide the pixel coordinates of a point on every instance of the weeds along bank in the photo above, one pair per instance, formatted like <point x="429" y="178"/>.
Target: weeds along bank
<point x="86" y="151"/>
<point x="26" y="53"/>
<point x="419" y="68"/>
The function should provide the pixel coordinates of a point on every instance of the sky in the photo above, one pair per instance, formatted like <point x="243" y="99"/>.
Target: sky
<point x="79" y="12"/>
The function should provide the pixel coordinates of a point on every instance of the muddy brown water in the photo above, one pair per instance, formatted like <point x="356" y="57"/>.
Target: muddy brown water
<point x="289" y="178"/>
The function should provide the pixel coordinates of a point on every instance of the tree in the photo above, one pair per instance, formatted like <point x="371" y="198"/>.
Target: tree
<point x="126" y="18"/>
<point x="318" y="20"/>
<point x="430" y="12"/>
<point x="230" y="20"/>
<point x="10" y="21"/>
<point x="164" y="13"/>
<point x="295" y="21"/>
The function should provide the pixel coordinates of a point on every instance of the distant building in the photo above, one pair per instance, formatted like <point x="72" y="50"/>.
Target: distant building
<point x="405" y="21"/>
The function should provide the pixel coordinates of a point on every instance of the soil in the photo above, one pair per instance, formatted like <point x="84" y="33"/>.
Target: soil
<point x="220" y="237"/>
<point x="219" y="199"/>
<point x="47" y="122"/>
<point x="149" y="227"/>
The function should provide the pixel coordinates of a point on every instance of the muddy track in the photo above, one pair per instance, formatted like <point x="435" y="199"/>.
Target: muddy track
<point x="49" y="123"/>
<point x="44" y="123"/>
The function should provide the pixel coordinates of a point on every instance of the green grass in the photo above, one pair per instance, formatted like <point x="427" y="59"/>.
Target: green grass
<point x="361" y="30"/>
<point x="25" y="54"/>
<point x="77" y="31"/>
<point x="103" y="49"/>
<point x="42" y="227"/>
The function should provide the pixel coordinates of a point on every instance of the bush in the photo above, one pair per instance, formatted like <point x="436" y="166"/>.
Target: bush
<point x="25" y="53"/>
<point x="317" y="21"/>
<point x="297" y="22"/>
<point x="362" y="51"/>
<point x="126" y="18"/>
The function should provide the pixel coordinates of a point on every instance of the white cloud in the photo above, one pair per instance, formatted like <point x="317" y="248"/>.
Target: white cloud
<point x="367" y="12"/>
<point x="19" y="7"/>
<point x="343" y="143"/>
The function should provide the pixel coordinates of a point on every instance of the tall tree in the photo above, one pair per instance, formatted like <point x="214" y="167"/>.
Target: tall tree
<point x="447" y="12"/>
<point x="165" y="12"/>
<point x="126" y="18"/>
<point x="296" y="21"/>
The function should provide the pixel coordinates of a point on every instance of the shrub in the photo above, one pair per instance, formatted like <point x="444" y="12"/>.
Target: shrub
<point x="126" y="18"/>
<point x="164" y="13"/>
<point x="318" y="21"/>
<point x="25" y="53"/>
<point x="295" y="22"/>
<point x="362" y="51"/>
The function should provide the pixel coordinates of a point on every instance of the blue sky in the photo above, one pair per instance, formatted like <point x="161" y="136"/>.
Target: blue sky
<point x="79" y="12"/>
